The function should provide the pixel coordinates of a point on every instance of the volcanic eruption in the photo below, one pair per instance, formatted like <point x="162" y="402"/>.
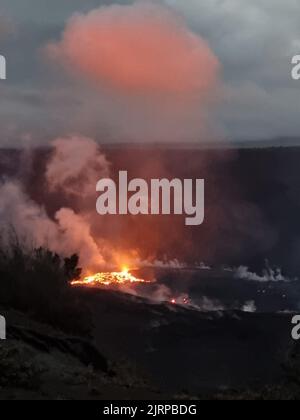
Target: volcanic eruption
<point x="146" y="56"/>
<point x="113" y="278"/>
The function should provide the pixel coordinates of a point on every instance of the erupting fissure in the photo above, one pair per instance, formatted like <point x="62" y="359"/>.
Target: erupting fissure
<point x="109" y="278"/>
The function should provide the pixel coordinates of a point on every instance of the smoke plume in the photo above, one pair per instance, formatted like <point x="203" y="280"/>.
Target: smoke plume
<point x="162" y="76"/>
<point x="73" y="169"/>
<point x="138" y="48"/>
<point x="269" y="275"/>
<point x="75" y="166"/>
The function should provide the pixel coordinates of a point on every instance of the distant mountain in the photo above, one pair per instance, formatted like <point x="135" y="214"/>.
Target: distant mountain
<point x="210" y="144"/>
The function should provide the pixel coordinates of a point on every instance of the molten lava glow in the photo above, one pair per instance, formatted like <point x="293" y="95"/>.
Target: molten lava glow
<point x="180" y="301"/>
<point x="110" y="278"/>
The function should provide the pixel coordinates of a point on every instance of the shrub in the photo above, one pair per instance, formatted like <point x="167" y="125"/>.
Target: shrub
<point x="37" y="281"/>
<point x="18" y="367"/>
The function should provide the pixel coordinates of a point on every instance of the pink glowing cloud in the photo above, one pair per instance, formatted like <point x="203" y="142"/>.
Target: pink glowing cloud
<point x="138" y="49"/>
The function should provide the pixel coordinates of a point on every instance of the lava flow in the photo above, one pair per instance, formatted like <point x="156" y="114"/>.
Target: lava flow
<point x="109" y="279"/>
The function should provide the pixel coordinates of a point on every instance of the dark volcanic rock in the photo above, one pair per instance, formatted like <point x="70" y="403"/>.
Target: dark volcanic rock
<point x="84" y="351"/>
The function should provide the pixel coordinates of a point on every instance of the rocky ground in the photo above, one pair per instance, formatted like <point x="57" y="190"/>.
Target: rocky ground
<point x="40" y="362"/>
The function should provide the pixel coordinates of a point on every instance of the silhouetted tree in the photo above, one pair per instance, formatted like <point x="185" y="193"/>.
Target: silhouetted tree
<point x="72" y="271"/>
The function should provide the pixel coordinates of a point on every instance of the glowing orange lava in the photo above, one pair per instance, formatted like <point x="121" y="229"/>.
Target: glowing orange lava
<point x="109" y="278"/>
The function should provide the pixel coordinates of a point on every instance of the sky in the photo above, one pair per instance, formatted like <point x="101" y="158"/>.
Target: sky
<point x="252" y="43"/>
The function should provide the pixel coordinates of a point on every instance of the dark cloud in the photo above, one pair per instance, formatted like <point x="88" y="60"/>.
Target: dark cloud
<point x="255" y="42"/>
<point x="41" y="11"/>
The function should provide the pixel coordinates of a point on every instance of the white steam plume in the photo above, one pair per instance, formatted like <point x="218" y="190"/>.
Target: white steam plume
<point x="73" y="169"/>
